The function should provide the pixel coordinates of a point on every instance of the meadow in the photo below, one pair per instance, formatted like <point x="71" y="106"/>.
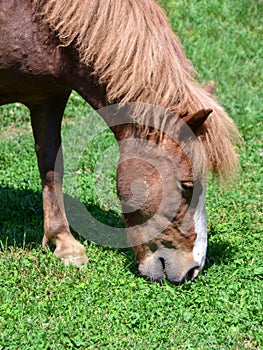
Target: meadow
<point x="107" y="305"/>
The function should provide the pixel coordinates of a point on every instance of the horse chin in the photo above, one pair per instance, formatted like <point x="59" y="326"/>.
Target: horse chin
<point x="173" y="265"/>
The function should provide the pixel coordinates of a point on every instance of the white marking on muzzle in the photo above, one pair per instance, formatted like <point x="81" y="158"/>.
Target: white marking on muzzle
<point x="200" y="245"/>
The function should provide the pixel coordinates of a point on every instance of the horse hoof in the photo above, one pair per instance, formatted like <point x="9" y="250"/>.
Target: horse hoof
<point x="78" y="261"/>
<point x="74" y="254"/>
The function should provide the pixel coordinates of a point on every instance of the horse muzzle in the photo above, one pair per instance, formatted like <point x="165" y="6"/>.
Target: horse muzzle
<point x="174" y="265"/>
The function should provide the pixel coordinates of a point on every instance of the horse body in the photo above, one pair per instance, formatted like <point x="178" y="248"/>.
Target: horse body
<point x="33" y="68"/>
<point x="28" y="66"/>
<point x="36" y="70"/>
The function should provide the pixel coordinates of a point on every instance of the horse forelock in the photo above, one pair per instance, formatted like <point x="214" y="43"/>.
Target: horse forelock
<point x="137" y="57"/>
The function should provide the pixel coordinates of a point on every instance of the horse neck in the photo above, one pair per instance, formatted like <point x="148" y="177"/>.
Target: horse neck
<point x="81" y="79"/>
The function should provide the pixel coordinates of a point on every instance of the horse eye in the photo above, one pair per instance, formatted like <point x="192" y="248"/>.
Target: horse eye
<point x="187" y="185"/>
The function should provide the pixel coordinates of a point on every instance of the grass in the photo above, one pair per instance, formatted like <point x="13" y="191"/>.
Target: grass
<point x="107" y="305"/>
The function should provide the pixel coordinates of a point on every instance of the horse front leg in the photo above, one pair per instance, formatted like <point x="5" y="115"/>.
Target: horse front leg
<point x="46" y="123"/>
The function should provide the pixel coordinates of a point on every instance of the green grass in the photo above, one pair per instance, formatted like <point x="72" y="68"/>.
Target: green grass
<point x="107" y="305"/>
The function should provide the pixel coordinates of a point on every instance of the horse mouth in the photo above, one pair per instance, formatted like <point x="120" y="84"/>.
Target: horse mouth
<point x="161" y="269"/>
<point x="187" y="275"/>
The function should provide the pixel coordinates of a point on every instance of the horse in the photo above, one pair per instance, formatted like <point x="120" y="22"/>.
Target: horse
<point x="174" y="132"/>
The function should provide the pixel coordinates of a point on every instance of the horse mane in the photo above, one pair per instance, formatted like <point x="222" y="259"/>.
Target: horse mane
<point x="134" y="53"/>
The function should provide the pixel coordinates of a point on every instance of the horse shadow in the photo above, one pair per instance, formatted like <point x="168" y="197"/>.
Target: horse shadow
<point x="21" y="225"/>
<point x="21" y="218"/>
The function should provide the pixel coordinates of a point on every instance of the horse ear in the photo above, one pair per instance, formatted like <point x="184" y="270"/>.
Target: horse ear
<point x="195" y="120"/>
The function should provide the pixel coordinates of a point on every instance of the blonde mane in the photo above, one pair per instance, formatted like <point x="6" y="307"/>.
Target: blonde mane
<point x="136" y="56"/>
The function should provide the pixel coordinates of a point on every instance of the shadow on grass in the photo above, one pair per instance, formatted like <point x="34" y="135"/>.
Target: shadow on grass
<point x="220" y="252"/>
<point x="21" y="225"/>
<point x="21" y="217"/>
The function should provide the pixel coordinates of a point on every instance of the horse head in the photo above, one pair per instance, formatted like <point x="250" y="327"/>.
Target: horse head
<point x="162" y="190"/>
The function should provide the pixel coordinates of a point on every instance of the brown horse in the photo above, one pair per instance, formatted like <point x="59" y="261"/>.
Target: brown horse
<point x="120" y="52"/>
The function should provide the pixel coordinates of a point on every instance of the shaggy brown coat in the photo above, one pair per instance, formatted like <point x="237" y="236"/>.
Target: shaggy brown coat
<point x="132" y="50"/>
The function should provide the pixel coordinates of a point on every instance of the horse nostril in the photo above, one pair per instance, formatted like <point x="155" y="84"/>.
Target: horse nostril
<point x="192" y="273"/>
<point x="162" y="262"/>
